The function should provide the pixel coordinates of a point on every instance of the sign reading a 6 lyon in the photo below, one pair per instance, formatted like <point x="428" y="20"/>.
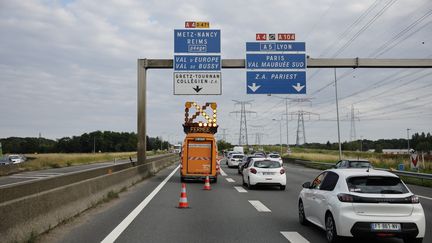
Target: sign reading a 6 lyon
<point x="197" y="62"/>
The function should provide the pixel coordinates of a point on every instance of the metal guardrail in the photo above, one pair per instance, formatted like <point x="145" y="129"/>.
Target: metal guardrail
<point x="396" y="172"/>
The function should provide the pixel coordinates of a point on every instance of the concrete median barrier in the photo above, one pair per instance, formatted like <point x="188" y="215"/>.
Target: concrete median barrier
<point x="35" y="210"/>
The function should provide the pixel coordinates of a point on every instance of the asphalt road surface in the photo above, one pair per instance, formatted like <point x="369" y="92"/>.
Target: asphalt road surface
<point x="229" y="212"/>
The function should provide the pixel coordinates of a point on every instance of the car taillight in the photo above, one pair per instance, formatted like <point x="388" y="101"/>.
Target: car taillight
<point x="345" y="197"/>
<point x="282" y="171"/>
<point x="253" y="171"/>
<point x="414" y="199"/>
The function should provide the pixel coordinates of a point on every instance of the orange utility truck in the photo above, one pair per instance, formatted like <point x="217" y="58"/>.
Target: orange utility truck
<point x="199" y="150"/>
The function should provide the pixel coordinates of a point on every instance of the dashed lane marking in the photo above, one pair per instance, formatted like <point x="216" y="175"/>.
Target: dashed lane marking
<point x="125" y="223"/>
<point x="294" y="237"/>
<point x="259" y="206"/>
<point x="222" y="172"/>
<point x="240" y="189"/>
<point x="230" y="180"/>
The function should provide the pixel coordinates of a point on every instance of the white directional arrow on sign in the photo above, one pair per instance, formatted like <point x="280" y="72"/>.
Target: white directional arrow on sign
<point x="254" y="87"/>
<point x="297" y="87"/>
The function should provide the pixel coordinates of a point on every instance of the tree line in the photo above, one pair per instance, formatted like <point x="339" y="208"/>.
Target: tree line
<point x="419" y="141"/>
<point x="98" y="141"/>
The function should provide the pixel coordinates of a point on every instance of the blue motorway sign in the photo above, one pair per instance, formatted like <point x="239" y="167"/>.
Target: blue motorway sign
<point x="275" y="46"/>
<point x="197" y="62"/>
<point x="276" y="82"/>
<point x="275" y="61"/>
<point x="197" y="41"/>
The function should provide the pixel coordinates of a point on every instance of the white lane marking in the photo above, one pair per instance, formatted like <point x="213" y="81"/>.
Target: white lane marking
<point x="222" y="172"/>
<point x="230" y="180"/>
<point x="128" y="220"/>
<point x="26" y="177"/>
<point x="430" y="198"/>
<point x="259" y="206"/>
<point x="240" y="189"/>
<point x="294" y="237"/>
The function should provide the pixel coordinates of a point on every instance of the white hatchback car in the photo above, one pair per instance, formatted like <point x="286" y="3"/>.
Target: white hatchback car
<point x="262" y="171"/>
<point x="234" y="160"/>
<point x="275" y="156"/>
<point x="362" y="203"/>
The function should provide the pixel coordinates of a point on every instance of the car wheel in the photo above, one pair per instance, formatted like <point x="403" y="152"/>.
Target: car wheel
<point x="244" y="183"/>
<point x="413" y="240"/>
<point x="331" y="233"/>
<point x="302" y="215"/>
<point x="282" y="188"/>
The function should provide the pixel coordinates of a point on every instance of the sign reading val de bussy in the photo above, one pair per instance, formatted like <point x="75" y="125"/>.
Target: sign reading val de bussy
<point x="275" y="66"/>
<point x="197" y="60"/>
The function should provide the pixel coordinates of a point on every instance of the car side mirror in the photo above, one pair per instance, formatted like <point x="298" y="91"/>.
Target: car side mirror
<point x="306" y="185"/>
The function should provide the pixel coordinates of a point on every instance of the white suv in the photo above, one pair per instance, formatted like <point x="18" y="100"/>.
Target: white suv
<point x="362" y="202"/>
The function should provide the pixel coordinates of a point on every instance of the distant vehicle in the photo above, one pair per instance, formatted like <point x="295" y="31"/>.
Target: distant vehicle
<point x="16" y="159"/>
<point x="246" y="160"/>
<point x="361" y="203"/>
<point x="353" y="163"/>
<point x="262" y="171"/>
<point x="177" y="148"/>
<point x="275" y="156"/>
<point x="238" y="149"/>
<point x="234" y="160"/>
<point x="229" y="154"/>
<point x="260" y="153"/>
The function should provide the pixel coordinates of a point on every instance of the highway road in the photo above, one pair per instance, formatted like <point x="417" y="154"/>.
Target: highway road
<point x="148" y="212"/>
<point x="42" y="174"/>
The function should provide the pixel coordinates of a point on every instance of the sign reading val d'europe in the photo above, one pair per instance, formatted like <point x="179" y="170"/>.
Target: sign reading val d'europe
<point x="197" y="60"/>
<point x="275" y="66"/>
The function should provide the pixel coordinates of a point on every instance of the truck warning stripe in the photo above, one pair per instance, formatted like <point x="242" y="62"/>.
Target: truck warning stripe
<point x="199" y="158"/>
<point x="199" y="145"/>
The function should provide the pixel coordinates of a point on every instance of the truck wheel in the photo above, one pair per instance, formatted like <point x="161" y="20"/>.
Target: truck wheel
<point x="182" y="179"/>
<point x="215" y="180"/>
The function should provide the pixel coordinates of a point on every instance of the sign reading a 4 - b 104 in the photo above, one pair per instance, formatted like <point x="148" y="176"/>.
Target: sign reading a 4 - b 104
<point x="275" y="67"/>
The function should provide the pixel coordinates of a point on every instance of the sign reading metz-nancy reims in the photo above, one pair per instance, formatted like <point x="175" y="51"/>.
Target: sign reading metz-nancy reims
<point x="275" y="65"/>
<point x="197" y="60"/>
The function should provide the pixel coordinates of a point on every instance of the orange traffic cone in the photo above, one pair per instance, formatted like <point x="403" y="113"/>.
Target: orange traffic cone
<point x="183" y="203"/>
<point x="207" y="183"/>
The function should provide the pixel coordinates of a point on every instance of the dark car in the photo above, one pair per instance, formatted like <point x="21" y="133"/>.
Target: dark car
<point x="246" y="160"/>
<point x="353" y="163"/>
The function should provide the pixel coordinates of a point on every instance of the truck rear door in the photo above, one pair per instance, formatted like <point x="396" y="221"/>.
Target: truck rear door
<point x="199" y="157"/>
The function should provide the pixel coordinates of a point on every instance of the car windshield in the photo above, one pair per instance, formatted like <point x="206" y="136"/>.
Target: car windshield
<point x="376" y="184"/>
<point x="359" y="164"/>
<point x="267" y="164"/>
<point x="14" y="157"/>
<point x="237" y="156"/>
<point x="274" y="156"/>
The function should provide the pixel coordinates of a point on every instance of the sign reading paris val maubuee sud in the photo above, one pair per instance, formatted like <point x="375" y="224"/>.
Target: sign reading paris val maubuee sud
<point x="277" y="67"/>
<point x="197" y="61"/>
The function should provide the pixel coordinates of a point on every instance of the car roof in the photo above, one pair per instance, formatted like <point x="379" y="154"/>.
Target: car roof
<point x="356" y="160"/>
<point x="361" y="172"/>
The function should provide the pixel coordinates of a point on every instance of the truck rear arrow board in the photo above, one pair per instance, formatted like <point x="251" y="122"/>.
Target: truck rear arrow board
<point x="254" y="87"/>
<point x="298" y="87"/>
<point x="197" y="89"/>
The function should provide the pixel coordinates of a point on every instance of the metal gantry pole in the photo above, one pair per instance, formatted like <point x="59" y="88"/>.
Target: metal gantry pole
<point x="408" y="129"/>
<point x="280" y="135"/>
<point x="142" y="83"/>
<point x="337" y="114"/>
<point x="286" y="117"/>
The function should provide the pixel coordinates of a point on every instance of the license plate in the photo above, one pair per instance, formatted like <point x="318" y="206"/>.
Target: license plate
<point x="268" y="173"/>
<point x="386" y="226"/>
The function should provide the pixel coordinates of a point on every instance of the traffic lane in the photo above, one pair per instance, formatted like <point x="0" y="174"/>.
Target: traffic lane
<point x="95" y="224"/>
<point x="284" y="204"/>
<point x="219" y="215"/>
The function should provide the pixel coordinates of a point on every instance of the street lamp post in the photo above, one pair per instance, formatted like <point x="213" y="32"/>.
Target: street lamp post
<point x="280" y="133"/>
<point x="408" y="129"/>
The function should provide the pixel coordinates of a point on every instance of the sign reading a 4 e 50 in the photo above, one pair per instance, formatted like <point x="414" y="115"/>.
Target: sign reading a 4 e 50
<point x="197" y="41"/>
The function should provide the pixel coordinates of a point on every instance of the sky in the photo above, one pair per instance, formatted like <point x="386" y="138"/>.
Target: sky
<point x="70" y="67"/>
